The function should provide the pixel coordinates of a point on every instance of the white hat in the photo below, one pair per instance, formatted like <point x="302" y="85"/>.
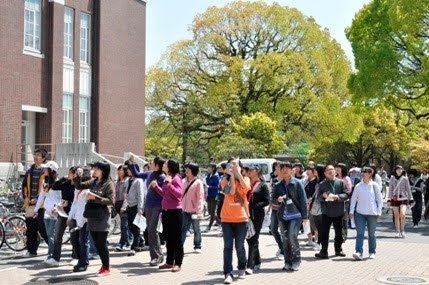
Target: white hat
<point x="52" y="165"/>
<point x="356" y="169"/>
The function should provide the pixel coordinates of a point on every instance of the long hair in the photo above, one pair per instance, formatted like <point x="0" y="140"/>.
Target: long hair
<point x="343" y="168"/>
<point x="320" y="169"/>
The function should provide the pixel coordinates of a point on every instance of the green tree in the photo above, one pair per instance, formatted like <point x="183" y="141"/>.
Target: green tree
<point x="251" y="136"/>
<point x="390" y="41"/>
<point x="250" y="57"/>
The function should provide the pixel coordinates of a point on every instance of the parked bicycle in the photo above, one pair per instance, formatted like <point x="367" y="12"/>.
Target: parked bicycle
<point x="12" y="229"/>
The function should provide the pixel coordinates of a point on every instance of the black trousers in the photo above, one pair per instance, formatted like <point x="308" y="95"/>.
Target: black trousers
<point x="417" y="209"/>
<point x="254" y="257"/>
<point x="100" y="241"/>
<point x="324" y="235"/>
<point x="35" y="226"/>
<point x="211" y="207"/>
<point x="172" y="221"/>
<point x="135" y="230"/>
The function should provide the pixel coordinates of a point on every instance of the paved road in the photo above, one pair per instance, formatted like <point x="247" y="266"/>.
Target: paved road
<point x="395" y="257"/>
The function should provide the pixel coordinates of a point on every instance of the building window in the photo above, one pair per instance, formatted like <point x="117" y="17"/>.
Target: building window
<point x="67" y="118"/>
<point x="85" y="36"/>
<point x="84" y="119"/>
<point x="32" y="25"/>
<point x="68" y="33"/>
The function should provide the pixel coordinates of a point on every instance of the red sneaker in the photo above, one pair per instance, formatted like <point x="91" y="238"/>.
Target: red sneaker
<point x="103" y="272"/>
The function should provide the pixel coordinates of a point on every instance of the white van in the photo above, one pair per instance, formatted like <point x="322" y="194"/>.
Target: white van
<point x="265" y="164"/>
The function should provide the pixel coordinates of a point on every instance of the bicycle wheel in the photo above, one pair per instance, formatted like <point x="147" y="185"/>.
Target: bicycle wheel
<point x="1" y="234"/>
<point x="15" y="237"/>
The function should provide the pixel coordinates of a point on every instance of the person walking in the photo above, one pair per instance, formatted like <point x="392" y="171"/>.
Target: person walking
<point x="134" y="203"/>
<point x="98" y="208"/>
<point x="417" y="187"/>
<point x="398" y="197"/>
<point x="289" y="193"/>
<point x="31" y="187"/>
<point x="121" y="206"/>
<point x="332" y="194"/>
<point x="212" y="181"/>
<point x="49" y="199"/>
<point x="172" y="217"/>
<point x="234" y="218"/>
<point x="366" y="205"/>
<point x="192" y="204"/>
<point x="259" y="198"/>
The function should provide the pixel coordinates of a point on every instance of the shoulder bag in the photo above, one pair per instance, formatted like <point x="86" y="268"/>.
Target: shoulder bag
<point x="290" y="211"/>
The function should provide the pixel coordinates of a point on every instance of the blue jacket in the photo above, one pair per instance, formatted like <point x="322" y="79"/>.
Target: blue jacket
<point x="212" y="185"/>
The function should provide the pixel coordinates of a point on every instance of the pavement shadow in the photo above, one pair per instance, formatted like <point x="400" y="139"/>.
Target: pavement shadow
<point x="205" y="282"/>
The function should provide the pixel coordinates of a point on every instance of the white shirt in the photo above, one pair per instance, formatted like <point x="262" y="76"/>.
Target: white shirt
<point x="78" y="206"/>
<point x="366" y="199"/>
<point x="48" y="200"/>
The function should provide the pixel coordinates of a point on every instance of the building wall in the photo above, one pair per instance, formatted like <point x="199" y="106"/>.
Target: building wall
<point x="121" y="84"/>
<point x="118" y="33"/>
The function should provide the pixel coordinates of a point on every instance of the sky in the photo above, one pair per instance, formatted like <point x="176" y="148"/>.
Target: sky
<point x="168" y="21"/>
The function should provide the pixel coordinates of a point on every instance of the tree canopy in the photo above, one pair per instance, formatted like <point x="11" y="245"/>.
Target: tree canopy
<point x="390" y="41"/>
<point x="245" y="58"/>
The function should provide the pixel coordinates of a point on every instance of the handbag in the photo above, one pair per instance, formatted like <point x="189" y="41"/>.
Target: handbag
<point x="29" y="211"/>
<point x="94" y="211"/>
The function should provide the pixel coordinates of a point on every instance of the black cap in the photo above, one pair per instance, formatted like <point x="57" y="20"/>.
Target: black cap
<point x="251" y="167"/>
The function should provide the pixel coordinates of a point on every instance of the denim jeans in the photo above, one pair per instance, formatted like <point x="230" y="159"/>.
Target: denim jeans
<point x="362" y="221"/>
<point x="83" y="246"/>
<point x="50" y="231"/>
<point x="124" y="241"/>
<point x="187" y="221"/>
<point x="275" y="229"/>
<point x="234" y="232"/>
<point x="290" y="230"/>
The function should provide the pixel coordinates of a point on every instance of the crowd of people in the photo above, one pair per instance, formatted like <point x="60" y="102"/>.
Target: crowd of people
<point x="310" y="199"/>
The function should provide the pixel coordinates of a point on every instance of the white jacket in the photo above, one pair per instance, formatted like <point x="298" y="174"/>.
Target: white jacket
<point x="78" y="206"/>
<point x="49" y="199"/>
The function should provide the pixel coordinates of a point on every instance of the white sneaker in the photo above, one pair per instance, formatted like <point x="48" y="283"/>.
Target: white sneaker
<point x="197" y="250"/>
<point x="248" y="271"/>
<point x="398" y="235"/>
<point x="416" y="226"/>
<point x="228" y="279"/>
<point x="316" y="247"/>
<point x="28" y="254"/>
<point x="372" y="256"/>
<point x="73" y="262"/>
<point x="310" y="243"/>
<point x="357" y="256"/>
<point x="241" y="274"/>
<point x="52" y="262"/>
<point x="402" y="234"/>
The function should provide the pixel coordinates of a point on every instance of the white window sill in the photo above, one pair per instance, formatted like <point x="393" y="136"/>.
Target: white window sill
<point x="84" y="64"/>
<point x="34" y="53"/>
<point x="68" y="61"/>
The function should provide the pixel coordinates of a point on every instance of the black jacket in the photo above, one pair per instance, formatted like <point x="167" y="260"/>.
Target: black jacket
<point x="259" y="200"/>
<point x="67" y="191"/>
<point x="333" y="208"/>
<point x="295" y="191"/>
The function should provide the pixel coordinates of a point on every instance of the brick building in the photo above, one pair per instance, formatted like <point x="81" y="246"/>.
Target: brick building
<point x="71" y="71"/>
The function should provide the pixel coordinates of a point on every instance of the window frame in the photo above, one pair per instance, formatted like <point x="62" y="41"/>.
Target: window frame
<point x="35" y="45"/>
<point x="85" y="38"/>
<point x="68" y="34"/>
